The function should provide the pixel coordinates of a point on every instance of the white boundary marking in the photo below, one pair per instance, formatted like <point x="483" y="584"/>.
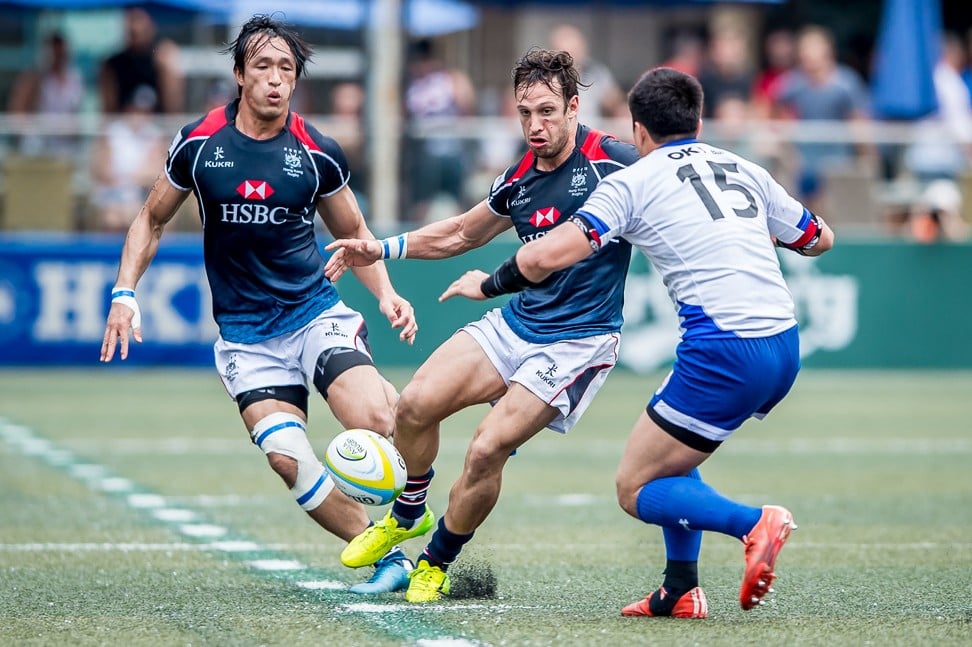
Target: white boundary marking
<point x="97" y="478"/>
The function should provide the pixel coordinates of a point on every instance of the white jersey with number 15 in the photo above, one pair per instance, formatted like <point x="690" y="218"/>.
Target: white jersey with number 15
<point x="705" y="218"/>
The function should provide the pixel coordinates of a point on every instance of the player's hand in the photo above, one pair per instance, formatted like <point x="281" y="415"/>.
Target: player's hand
<point x="350" y="252"/>
<point x="467" y="285"/>
<point x="401" y="315"/>
<point x="123" y="317"/>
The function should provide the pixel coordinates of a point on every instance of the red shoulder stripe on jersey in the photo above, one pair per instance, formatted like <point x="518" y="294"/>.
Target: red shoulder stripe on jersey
<point x="213" y="121"/>
<point x="299" y="129"/>
<point x="591" y="148"/>
<point x="807" y="235"/>
<point x="525" y="164"/>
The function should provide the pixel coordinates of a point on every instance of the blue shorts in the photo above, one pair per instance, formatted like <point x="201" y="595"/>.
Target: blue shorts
<point x="717" y="384"/>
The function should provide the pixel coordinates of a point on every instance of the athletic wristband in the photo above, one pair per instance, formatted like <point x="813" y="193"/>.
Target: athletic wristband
<point x="809" y="239"/>
<point x="507" y="279"/>
<point x="394" y="246"/>
<point x="126" y="297"/>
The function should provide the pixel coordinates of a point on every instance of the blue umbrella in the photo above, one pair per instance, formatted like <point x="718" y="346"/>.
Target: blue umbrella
<point x="908" y="47"/>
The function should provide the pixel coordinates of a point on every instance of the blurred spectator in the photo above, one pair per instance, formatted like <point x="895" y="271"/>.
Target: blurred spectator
<point x="820" y="88"/>
<point x="601" y="96"/>
<point x="726" y="72"/>
<point x="779" y="51"/>
<point x="55" y="88"/>
<point x="218" y="94"/>
<point x="937" y="153"/>
<point x="347" y="116"/>
<point x="941" y="152"/>
<point x="436" y="165"/>
<point x="126" y="160"/>
<point x="967" y="69"/>
<point x="937" y="214"/>
<point x="732" y="128"/>
<point x="146" y="60"/>
<point x="688" y="52"/>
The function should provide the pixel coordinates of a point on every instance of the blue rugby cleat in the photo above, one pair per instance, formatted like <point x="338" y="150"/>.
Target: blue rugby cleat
<point x="389" y="576"/>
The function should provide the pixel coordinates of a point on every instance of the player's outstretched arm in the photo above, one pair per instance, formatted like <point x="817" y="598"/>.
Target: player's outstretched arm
<point x="532" y="263"/>
<point x="141" y="244"/>
<point x="343" y="219"/>
<point x="441" y="239"/>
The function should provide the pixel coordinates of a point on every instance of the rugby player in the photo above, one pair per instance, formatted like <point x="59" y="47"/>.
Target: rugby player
<point x="707" y="220"/>
<point x="260" y="172"/>
<point x="539" y="359"/>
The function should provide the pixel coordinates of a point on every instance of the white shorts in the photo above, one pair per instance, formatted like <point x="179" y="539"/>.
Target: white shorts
<point x="565" y="374"/>
<point x="292" y="357"/>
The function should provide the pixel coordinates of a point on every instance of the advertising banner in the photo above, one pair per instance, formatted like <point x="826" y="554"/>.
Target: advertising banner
<point x="862" y="305"/>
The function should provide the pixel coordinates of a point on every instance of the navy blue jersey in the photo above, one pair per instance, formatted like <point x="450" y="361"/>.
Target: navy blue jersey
<point x="257" y="200"/>
<point x="587" y="298"/>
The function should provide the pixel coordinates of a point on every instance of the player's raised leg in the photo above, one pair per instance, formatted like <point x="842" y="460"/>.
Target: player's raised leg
<point x="457" y="375"/>
<point x="517" y="416"/>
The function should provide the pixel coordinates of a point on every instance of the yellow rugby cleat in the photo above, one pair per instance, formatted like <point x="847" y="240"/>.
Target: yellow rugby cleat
<point x="428" y="583"/>
<point x="371" y="545"/>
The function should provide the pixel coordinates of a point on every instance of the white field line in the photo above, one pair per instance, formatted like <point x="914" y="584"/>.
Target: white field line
<point x="97" y="478"/>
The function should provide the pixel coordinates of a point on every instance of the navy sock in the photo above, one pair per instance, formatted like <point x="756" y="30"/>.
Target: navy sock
<point x="445" y="546"/>
<point x="683" y="501"/>
<point x="410" y="504"/>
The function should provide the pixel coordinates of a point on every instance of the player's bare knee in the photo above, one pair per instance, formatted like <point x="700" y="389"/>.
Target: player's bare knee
<point x="412" y="411"/>
<point x="627" y="496"/>
<point x="379" y="419"/>
<point x="484" y="455"/>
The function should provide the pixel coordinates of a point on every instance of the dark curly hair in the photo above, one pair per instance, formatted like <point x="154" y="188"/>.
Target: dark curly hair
<point x="546" y="66"/>
<point x="258" y="30"/>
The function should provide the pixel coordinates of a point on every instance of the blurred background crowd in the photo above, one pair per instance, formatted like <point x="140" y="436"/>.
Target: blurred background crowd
<point x="862" y="109"/>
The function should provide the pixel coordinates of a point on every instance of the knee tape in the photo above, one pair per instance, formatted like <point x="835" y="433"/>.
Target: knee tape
<point x="284" y="433"/>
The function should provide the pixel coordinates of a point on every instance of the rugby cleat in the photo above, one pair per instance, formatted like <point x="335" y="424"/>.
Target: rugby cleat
<point x="692" y="604"/>
<point x="390" y="575"/>
<point x="762" y="545"/>
<point x="371" y="545"/>
<point x="428" y="583"/>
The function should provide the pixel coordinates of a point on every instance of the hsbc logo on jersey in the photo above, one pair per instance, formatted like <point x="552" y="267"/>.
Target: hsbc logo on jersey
<point x="545" y="217"/>
<point x="255" y="190"/>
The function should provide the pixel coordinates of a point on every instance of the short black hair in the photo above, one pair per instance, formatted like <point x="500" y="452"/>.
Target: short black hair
<point x="545" y="66"/>
<point x="668" y="103"/>
<point x="261" y="28"/>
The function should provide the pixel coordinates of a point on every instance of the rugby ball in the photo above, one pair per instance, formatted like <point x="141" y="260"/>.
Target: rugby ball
<point x="365" y="466"/>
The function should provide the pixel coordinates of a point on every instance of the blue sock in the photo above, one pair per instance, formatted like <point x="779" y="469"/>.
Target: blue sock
<point x="445" y="546"/>
<point x="682" y="544"/>
<point x="683" y="501"/>
<point x="410" y="504"/>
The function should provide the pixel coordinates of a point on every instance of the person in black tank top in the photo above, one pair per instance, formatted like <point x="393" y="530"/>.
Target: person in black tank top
<point x="146" y="60"/>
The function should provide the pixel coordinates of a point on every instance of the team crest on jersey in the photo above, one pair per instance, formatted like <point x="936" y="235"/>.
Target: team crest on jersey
<point x="292" y="162"/>
<point x="578" y="182"/>
<point x="545" y="217"/>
